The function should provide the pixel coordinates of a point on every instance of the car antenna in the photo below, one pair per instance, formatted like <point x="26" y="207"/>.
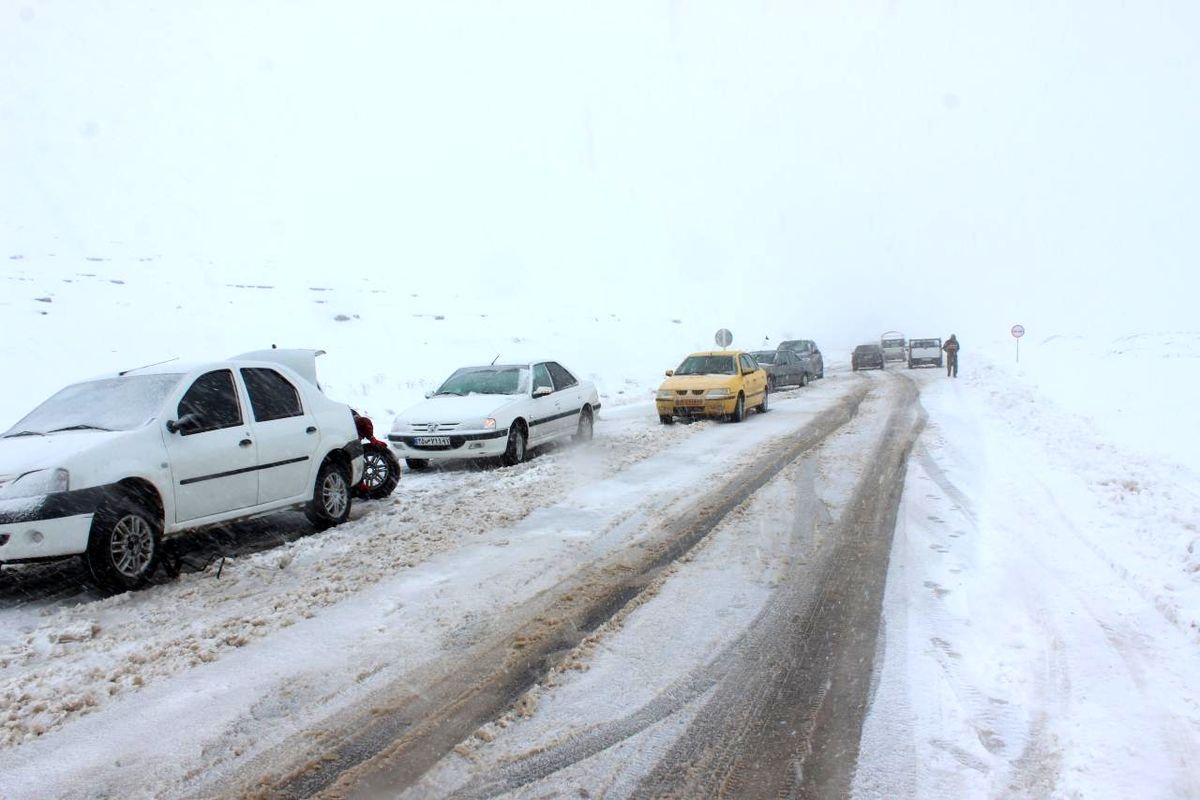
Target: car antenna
<point x="494" y="360"/>
<point x="147" y="366"/>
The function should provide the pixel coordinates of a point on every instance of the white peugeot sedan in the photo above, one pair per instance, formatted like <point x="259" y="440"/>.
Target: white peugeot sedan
<point x="107" y="467"/>
<point x="501" y="410"/>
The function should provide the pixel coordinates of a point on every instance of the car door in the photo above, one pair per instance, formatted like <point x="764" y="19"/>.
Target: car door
<point x="544" y="422"/>
<point x="570" y="398"/>
<point x="785" y="368"/>
<point x="754" y="380"/>
<point x="212" y="455"/>
<point x="285" y="433"/>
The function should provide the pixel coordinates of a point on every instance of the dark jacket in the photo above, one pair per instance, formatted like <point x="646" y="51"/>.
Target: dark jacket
<point x="951" y="345"/>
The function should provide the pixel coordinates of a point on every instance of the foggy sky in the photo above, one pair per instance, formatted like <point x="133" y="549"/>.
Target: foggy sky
<point x="776" y="166"/>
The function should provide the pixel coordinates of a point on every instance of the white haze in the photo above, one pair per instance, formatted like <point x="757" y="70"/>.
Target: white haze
<point x="787" y="167"/>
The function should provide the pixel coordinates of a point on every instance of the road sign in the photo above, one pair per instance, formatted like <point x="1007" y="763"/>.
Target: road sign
<point x="724" y="337"/>
<point x="1018" y="331"/>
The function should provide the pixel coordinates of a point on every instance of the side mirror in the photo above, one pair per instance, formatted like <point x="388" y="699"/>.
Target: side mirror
<point x="428" y="395"/>
<point x="669" y="373"/>
<point x="542" y="391"/>
<point x="185" y="424"/>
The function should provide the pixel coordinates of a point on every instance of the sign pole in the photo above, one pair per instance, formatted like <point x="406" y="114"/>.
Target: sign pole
<point x="1017" y="332"/>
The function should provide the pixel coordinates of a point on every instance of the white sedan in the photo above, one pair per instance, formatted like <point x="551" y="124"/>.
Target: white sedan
<point x="500" y="410"/>
<point x="107" y="467"/>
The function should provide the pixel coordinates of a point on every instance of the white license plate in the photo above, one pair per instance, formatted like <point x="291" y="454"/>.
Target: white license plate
<point x="431" y="441"/>
<point x="690" y="401"/>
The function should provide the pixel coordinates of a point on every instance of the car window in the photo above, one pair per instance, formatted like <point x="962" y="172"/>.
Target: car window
<point x="212" y="401"/>
<point x="748" y="364"/>
<point x="541" y="377"/>
<point x="708" y="365"/>
<point x="272" y="396"/>
<point x="562" y="378"/>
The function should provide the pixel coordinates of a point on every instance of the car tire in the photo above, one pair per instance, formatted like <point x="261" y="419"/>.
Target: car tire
<point x="124" y="545"/>
<point x="666" y="419"/>
<point x="515" y="451"/>
<point x="854" y="368"/>
<point x="771" y="383"/>
<point x="417" y="464"/>
<point x="803" y="379"/>
<point x="330" y="504"/>
<point x="764" y="405"/>
<point x="739" y="409"/>
<point x="381" y="473"/>
<point x="585" y="430"/>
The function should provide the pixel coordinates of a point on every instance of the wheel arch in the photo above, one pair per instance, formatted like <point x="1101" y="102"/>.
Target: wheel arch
<point x="144" y="493"/>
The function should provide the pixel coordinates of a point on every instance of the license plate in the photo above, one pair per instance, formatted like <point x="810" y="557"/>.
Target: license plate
<point x="431" y="441"/>
<point x="690" y="401"/>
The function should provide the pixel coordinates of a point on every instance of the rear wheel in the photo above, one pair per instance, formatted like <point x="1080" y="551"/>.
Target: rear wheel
<point x="514" y="453"/>
<point x="586" y="427"/>
<point x="330" y="504"/>
<point x="124" y="545"/>
<point x="417" y="463"/>
<point x="803" y="379"/>
<point x="771" y="383"/>
<point x="762" y="407"/>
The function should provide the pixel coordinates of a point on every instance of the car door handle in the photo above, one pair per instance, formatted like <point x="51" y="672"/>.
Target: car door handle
<point x="245" y="443"/>
<point x="311" y="429"/>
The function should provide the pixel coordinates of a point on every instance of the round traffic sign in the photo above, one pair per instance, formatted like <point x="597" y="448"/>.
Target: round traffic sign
<point x="724" y="337"/>
<point x="1018" y="331"/>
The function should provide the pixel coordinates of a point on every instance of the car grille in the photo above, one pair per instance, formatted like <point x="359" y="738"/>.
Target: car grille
<point x="434" y="427"/>
<point x="682" y="392"/>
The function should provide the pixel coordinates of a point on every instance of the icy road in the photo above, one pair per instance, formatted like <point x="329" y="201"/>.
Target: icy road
<point x="693" y="610"/>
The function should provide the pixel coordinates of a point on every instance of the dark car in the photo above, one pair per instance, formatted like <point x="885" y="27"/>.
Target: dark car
<point x="867" y="356"/>
<point x="784" y="368"/>
<point x="810" y="355"/>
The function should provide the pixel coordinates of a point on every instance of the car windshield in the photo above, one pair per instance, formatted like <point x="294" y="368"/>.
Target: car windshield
<point x="111" y="404"/>
<point x="866" y="348"/>
<point x="764" y="356"/>
<point x="707" y="365"/>
<point x="924" y="343"/>
<point x="487" y="380"/>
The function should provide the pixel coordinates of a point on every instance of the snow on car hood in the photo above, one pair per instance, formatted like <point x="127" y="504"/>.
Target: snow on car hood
<point x="21" y="454"/>
<point x="455" y="408"/>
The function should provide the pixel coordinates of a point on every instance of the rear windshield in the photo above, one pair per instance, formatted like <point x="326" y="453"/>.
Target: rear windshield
<point x="925" y="343"/>
<point x="893" y="343"/>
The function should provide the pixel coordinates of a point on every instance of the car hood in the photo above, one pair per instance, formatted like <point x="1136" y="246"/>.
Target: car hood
<point x="676" y="382"/>
<point x="453" y="408"/>
<point x="21" y="454"/>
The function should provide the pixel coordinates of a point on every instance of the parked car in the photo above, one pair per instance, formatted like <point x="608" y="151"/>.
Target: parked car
<point x="867" y="356"/>
<point x="784" y="368"/>
<point x="925" y="353"/>
<point x="810" y="356"/>
<point x="713" y="384"/>
<point x="499" y="410"/>
<point x="895" y="348"/>
<point x="106" y="468"/>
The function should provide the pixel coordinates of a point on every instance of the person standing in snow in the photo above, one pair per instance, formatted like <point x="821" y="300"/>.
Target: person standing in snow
<point x="951" y="348"/>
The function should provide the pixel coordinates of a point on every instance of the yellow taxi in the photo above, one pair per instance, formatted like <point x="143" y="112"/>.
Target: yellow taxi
<point x="715" y="384"/>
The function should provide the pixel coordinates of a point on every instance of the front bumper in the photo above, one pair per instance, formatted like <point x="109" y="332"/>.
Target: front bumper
<point x="718" y="407"/>
<point x="28" y="535"/>
<point x="459" y="445"/>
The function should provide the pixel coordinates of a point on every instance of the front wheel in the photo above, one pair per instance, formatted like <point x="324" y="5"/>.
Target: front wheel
<point x="330" y="504"/>
<point x="739" y="409"/>
<point x="124" y="545"/>
<point x="381" y="473"/>
<point x="514" y="453"/>
<point x="666" y="419"/>
<point x="803" y="379"/>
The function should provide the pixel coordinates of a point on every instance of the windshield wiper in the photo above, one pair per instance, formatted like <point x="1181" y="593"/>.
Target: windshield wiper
<point x="23" y="433"/>
<point x="80" y="428"/>
<point x="456" y="394"/>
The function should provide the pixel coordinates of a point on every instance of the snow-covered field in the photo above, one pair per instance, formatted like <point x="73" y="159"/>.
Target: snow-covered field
<point x="1042" y="611"/>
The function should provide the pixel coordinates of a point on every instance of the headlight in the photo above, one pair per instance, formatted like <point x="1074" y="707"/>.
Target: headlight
<point x="664" y="394"/>
<point x="38" y="482"/>
<point x="714" y="393"/>
<point x="489" y="424"/>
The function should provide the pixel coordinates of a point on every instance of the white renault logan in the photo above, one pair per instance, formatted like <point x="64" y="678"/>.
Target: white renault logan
<point x="107" y="467"/>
